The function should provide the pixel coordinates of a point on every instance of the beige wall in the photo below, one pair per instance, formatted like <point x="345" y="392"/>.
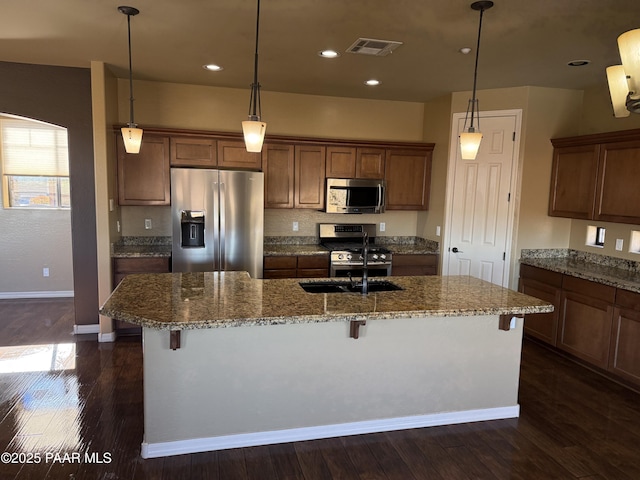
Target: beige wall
<point x="32" y="240"/>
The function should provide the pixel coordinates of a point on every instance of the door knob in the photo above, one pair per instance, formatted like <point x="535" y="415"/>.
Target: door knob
<point x="455" y="250"/>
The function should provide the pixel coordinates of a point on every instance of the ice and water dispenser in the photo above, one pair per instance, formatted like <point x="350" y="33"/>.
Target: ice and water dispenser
<point x="192" y="225"/>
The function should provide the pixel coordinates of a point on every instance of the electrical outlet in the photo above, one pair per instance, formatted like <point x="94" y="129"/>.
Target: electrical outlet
<point x="111" y="205"/>
<point x="118" y="225"/>
<point x="295" y="226"/>
<point x="147" y="224"/>
<point x="383" y="226"/>
<point x="619" y="244"/>
<point x="45" y="272"/>
<point x="438" y="231"/>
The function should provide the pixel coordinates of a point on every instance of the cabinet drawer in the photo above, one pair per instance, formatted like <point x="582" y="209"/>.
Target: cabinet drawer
<point x="414" y="259"/>
<point x="141" y="265"/>
<point x="312" y="272"/>
<point x="628" y="299"/>
<point x="280" y="273"/>
<point x="589" y="289"/>
<point x="280" y="262"/>
<point x="541" y="275"/>
<point x="313" y="261"/>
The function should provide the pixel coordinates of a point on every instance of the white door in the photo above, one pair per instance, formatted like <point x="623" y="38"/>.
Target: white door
<point x="479" y="202"/>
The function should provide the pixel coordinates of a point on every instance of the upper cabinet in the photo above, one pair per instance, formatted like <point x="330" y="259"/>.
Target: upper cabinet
<point x="144" y="178"/>
<point x="233" y="154"/>
<point x="408" y="176"/>
<point x="355" y="162"/>
<point x="596" y="177"/>
<point x="295" y="169"/>
<point x="193" y="152"/>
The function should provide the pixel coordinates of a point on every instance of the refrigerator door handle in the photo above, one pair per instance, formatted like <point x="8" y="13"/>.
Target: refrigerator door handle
<point x="223" y="233"/>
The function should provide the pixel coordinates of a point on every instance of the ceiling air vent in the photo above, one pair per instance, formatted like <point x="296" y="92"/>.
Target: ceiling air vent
<point x="369" y="46"/>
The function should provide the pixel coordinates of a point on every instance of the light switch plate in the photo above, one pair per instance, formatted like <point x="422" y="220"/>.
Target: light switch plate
<point x="147" y="224"/>
<point x="295" y="226"/>
<point x="619" y="244"/>
<point x="383" y="226"/>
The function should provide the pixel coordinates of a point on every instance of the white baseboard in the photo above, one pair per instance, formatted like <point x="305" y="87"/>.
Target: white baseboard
<point x="107" y="337"/>
<point x="82" y="329"/>
<point x="179" y="447"/>
<point x="42" y="294"/>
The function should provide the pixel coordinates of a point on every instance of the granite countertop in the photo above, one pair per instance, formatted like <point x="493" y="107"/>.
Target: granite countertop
<point x="140" y="247"/>
<point x="615" y="272"/>
<point x="174" y="301"/>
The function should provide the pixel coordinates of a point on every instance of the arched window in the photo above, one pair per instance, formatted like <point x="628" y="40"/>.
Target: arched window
<point x="35" y="164"/>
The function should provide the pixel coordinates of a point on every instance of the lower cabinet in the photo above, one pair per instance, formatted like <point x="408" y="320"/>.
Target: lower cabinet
<point x="291" y="266"/>
<point x="414" y="264"/>
<point x="595" y="323"/>
<point x="624" y="354"/>
<point x="586" y="310"/>
<point x="125" y="266"/>
<point x="545" y="285"/>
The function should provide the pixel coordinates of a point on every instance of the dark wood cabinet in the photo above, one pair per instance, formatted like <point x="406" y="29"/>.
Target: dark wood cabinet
<point x="121" y="267"/>
<point x="309" y="171"/>
<point x="408" y="176"/>
<point x="618" y="183"/>
<point x="144" y="178"/>
<point x="341" y="162"/>
<point x="624" y="356"/>
<point x="291" y="266"/>
<point x="547" y="286"/>
<point x="278" y="167"/>
<point x="233" y="154"/>
<point x="414" y="264"/>
<point x="573" y="181"/>
<point x="193" y="152"/>
<point x="586" y="313"/>
<point x="596" y="177"/>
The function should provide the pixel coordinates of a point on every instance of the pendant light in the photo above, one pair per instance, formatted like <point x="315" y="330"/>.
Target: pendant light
<point x="131" y="135"/>
<point x="254" y="129"/>
<point x="469" y="138"/>
<point x="624" y="80"/>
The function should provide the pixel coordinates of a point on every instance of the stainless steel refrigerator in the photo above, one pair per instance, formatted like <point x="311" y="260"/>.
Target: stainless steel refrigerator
<point x="217" y="220"/>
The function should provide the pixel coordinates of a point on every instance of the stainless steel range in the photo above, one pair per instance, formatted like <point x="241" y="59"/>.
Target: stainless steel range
<point x="346" y="243"/>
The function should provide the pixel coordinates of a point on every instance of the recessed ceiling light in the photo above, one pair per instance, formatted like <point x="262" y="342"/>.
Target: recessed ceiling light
<point x="328" y="54"/>
<point x="212" y="67"/>
<point x="578" y="63"/>
<point x="373" y="82"/>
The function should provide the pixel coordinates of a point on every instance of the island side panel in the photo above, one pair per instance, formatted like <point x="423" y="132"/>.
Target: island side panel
<point x="234" y="381"/>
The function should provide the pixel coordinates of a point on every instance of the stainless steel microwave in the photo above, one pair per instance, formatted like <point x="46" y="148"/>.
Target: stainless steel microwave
<point x="348" y="195"/>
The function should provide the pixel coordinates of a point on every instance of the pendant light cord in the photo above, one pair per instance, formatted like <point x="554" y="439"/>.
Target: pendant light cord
<point x="475" y="70"/>
<point x="131" y="122"/>
<point x="254" y="107"/>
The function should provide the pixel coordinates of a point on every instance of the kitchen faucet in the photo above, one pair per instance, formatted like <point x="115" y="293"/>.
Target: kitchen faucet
<point x="365" y="267"/>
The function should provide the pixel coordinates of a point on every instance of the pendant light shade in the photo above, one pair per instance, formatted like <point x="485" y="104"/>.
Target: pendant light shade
<point x="470" y="138"/>
<point x="624" y="80"/>
<point x="131" y="135"/>
<point x="254" y="129"/>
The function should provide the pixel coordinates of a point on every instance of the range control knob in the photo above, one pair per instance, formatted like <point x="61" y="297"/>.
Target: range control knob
<point x="382" y="256"/>
<point x="375" y="256"/>
<point x="340" y="256"/>
<point x="349" y="256"/>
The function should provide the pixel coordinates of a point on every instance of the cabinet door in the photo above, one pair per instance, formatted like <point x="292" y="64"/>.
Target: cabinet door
<point x="233" y="154"/>
<point x="144" y="178"/>
<point x="309" y="176"/>
<point x="193" y="152"/>
<point x="586" y="319"/>
<point x="543" y="326"/>
<point x="618" y="191"/>
<point x="624" y="358"/>
<point x="413" y="264"/>
<point x="341" y="162"/>
<point x="370" y="163"/>
<point x="277" y="165"/>
<point x="573" y="181"/>
<point x="408" y="176"/>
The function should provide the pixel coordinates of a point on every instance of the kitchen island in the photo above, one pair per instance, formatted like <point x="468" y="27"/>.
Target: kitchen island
<point x="263" y="361"/>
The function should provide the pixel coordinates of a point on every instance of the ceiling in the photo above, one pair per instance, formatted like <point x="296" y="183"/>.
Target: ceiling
<point x="523" y="42"/>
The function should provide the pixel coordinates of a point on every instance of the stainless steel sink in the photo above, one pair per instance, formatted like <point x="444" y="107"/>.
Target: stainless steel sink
<point x="345" y="286"/>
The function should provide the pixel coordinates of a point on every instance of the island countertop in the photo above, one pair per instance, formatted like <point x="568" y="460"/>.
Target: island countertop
<point x="176" y="301"/>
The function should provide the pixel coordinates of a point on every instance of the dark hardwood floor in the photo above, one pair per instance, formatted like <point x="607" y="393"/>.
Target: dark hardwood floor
<point x="83" y="399"/>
